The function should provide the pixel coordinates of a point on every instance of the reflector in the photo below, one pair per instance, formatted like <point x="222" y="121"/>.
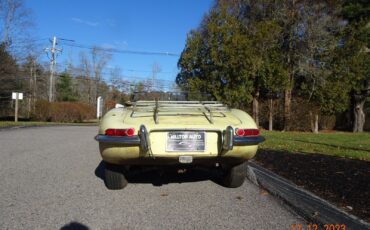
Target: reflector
<point x="130" y="132"/>
<point x="120" y="132"/>
<point x="239" y="132"/>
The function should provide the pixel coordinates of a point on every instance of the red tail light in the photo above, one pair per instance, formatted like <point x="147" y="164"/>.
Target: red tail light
<point x="130" y="132"/>
<point x="120" y="132"/>
<point x="110" y="132"/>
<point x="239" y="132"/>
<point x="247" y="132"/>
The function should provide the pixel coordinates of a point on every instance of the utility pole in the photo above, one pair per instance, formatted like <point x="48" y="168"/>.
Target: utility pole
<point x="53" y="51"/>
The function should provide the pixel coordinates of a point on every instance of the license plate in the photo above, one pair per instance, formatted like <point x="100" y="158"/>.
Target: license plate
<point x="185" y="159"/>
<point x="185" y="142"/>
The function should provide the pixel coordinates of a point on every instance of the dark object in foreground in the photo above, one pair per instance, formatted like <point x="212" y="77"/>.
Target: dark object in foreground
<point x="116" y="177"/>
<point x="343" y="182"/>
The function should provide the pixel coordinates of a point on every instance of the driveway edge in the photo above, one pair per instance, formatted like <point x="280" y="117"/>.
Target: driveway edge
<point x="42" y="126"/>
<point x="311" y="207"/>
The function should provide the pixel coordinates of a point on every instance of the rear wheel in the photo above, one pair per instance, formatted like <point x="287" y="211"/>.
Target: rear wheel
<point x="235" y="176"/>
<point x="114" y="178"/>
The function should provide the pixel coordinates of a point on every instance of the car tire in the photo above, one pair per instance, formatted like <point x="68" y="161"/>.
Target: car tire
<point x="235" y="176"/>
<point x="114" y="178"/>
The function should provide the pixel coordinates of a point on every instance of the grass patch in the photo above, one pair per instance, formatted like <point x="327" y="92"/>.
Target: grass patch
<point x="341" y="144"/>
<point x="6" y="124"/>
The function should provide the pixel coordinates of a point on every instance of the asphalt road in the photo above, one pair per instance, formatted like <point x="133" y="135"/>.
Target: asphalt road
<point x="51" y="179"/>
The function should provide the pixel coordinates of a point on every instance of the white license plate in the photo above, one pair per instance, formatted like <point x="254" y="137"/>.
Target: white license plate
<point x="185" y="159"/>
<point x="185" y="141"/>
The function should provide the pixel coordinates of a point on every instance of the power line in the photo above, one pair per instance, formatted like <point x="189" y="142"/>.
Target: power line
<point x="109" y="74"/>
<point x="115" y="50"/>
<point x="119" y="68"/>
<point x="78" y="78"/>
<point x="103" y="73"/>
<point x="30" y="41"/>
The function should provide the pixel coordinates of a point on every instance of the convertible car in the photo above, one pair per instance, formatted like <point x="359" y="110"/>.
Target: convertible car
<point x="179" y="133"/>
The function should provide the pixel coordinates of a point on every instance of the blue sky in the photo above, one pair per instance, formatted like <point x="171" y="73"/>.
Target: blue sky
<point x="156" y="26"/>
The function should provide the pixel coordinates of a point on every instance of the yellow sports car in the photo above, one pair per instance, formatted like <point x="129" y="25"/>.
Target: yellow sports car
<point x="160" y="133"/>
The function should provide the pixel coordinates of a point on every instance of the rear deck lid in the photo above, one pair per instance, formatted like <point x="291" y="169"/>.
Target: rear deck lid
<point x="184" y="112"/>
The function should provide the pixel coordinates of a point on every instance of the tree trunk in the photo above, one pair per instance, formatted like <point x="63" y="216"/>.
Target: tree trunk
<point x="314" y="121"/>
<point x="28" y="106"/>
<point x="29" y="95"/>
<point x="255" y="108"/>
<point x="359" y="115"/>
<point x="287" y="105"/>
<point x="316" y="127"/>
<point x="271" y="114"/>
<point x="34" y="92"/>
<point x="89" y="96"/>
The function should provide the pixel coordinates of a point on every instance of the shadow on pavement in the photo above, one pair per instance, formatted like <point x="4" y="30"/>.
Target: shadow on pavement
<point x="99" y="171"/>
<point x="159" y="176"/>
<point x="74" y="226"/>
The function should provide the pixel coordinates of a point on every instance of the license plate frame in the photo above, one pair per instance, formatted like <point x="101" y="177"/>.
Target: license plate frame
<point x="186" y="141"/>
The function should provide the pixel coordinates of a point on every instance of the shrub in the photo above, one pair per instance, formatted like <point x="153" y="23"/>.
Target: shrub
<point x="41" y="111"/>
<point x="63" y="111"/>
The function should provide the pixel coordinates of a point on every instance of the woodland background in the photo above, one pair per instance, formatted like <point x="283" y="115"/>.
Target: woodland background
<point x="293" y="64"/>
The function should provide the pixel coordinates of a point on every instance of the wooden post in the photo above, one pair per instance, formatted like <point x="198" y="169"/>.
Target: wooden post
<point x="16" y="108"/>
<point x="271" y="112"/>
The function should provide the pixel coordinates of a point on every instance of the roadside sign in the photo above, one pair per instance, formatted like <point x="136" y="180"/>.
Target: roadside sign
<point x="14" y="96"/>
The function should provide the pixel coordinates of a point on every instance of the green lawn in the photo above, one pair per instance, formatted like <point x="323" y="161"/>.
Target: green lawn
<point x="4" y="124"/>
<point x="343" y="144"/>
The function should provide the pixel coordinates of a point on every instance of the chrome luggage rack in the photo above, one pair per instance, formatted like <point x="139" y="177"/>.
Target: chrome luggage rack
<point x="159" y="108"/>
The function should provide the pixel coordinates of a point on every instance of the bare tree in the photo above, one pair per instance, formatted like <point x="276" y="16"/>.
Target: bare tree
<point x="100" y="58"/>
<point x="90" y="70"/>
<point x="156" y="68"/>
<point x="84" y="79"/>
<point x="15" y="22"/>
<point x="118" y="82"/>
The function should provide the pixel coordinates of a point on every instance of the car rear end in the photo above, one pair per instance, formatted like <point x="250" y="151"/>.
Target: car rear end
<point x="177" y="133"/>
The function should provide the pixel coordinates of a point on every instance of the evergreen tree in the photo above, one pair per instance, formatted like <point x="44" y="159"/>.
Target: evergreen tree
<point x="216" y="60"/>
<point x="64" y="88"/>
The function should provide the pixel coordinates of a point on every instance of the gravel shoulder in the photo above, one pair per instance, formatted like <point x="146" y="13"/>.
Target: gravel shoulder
<point x="51" y="179"/>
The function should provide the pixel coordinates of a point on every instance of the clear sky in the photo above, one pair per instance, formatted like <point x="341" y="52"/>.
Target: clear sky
<point x="154" y="26"/>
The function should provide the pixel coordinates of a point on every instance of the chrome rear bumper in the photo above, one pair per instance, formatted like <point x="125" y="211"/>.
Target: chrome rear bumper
<point x="242" y="141"/>
<point x="134" y="140"/>
<point x="142" y="140"/>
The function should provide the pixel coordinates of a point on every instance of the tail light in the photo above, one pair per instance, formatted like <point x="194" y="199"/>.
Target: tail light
<point x="120" y="132"/>
<point x="247" y="132"/>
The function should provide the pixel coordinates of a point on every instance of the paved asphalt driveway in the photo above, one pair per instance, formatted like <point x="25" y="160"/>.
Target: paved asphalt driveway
<point x="50" y="178"/>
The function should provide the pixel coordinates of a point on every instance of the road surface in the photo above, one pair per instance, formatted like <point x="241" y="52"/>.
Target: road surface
<point x="51" y="179"/>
